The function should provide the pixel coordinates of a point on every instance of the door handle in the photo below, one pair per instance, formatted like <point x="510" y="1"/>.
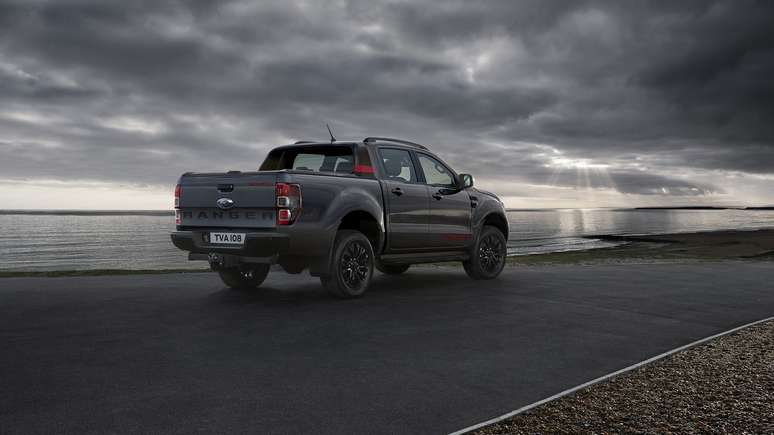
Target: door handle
<point x="397" y="191"/>
<point x="437" y="195"/>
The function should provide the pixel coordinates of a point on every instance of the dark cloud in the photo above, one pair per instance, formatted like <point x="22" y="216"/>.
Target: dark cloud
<point x="642" y="96"/>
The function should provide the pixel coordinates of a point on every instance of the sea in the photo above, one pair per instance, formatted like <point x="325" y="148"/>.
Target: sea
<point x="82" y="240"/>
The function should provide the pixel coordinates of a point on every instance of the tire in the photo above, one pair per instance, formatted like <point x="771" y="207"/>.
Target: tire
<point x="246" y="277"/>
<point x="487" y="258"/>
<point x="351" y="266"/>
<point x="392" y="269"/>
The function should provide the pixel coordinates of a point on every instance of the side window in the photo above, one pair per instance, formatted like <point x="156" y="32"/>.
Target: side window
<point x="435" y="172"/>
<point x="397" y="165"/>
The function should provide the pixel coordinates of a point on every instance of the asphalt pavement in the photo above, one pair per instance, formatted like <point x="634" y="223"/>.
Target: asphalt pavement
<point x="426" y="352"/>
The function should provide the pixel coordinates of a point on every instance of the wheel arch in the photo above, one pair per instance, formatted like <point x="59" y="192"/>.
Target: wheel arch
<point x="366" y="223"/>
<point x="498" y="221"/>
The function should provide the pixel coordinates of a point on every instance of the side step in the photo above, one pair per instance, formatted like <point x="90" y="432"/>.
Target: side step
<point x="424" y="257"/>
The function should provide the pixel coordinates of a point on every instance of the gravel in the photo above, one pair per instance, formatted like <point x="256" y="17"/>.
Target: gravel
<point x="724" y="386"/>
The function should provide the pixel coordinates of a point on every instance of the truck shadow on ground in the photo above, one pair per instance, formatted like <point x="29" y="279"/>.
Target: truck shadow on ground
<point x="303" y="289"/>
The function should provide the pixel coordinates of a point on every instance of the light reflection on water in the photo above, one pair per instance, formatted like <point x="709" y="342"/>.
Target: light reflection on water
<point x="537" y="231"/>
<point x="55" y="242"/>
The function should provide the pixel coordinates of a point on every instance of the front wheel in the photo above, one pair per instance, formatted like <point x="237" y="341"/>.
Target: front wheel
<point x="351" y="267"/>
<point x="487" y="258"/>
<point x="245" y="278"/>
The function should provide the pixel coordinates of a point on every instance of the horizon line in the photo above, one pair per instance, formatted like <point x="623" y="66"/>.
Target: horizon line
<point x="171" y="211"/>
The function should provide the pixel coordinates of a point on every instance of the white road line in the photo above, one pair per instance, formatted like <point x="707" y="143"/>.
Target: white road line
<point x="606" y="377"/>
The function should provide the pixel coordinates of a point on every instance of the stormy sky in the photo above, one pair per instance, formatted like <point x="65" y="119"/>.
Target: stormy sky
<point x="548" y="103"/>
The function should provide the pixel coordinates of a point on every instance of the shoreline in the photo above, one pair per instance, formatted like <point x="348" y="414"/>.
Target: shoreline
<point x="87" y="212"/>
<point x="740" y="245"/>
<point x="749" y="245"/>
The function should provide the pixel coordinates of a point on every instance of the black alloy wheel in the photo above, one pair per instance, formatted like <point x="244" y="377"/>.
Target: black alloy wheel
<point x="355" y="264"/>
<point x="491" y="252"/>
<point x="487" y="258"/>
<point x="352" y="265"/>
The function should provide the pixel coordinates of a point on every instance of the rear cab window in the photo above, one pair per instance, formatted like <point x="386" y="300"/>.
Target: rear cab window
<point x="331" y="159"/>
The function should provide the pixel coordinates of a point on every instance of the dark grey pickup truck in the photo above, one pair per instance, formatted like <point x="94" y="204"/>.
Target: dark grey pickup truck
<point x="339" y="209"/>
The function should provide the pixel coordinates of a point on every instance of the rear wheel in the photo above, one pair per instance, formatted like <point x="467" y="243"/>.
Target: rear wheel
<point x="487" y="258"/>
<point x="392" y="269"/>
<point x="351" y="267"/>
<point x="245" y="277"/>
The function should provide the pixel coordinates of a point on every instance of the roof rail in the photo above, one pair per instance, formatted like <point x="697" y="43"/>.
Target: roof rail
<point x="303" y="141"/>
<point x="389" y="139"/>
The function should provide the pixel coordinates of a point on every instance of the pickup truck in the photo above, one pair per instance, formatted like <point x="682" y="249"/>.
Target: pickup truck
<point x="339" y="209"/>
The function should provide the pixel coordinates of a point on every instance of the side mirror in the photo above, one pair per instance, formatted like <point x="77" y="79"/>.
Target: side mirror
<point x="466" y="180"/>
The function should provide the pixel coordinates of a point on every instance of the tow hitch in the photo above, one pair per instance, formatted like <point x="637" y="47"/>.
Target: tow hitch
<point x="220" y="261"/>
<point x="216" y="261"/>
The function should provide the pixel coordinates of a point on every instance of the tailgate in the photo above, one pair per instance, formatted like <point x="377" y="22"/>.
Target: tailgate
<point x="237" y="200"/>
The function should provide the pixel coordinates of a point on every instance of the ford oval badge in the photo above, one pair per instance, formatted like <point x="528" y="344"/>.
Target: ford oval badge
<point x="225" y="203"/>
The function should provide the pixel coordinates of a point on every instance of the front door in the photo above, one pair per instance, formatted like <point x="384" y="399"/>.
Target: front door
<point x="450" y="211"/>
<point x="407" y="201"/>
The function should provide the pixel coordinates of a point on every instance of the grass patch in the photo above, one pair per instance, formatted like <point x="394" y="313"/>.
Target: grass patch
<point x="634" y="252"/>
<point x="96" y="272"/>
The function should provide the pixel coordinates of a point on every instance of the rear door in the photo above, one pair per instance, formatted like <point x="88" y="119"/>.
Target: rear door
<point x="407" y="201"/>
<point x="449" y="225"/>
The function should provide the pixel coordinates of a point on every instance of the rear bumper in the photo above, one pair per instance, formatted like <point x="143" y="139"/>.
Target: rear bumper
<point x="259" y="247"/>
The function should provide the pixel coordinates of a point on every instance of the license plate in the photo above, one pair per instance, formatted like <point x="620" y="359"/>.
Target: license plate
<point x="227" y="238"/>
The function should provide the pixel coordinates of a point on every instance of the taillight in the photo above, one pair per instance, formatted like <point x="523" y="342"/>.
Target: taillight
<point x="283" y="216"/>
<point x="288" y="201"/>
<point x="178" y="190"/>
